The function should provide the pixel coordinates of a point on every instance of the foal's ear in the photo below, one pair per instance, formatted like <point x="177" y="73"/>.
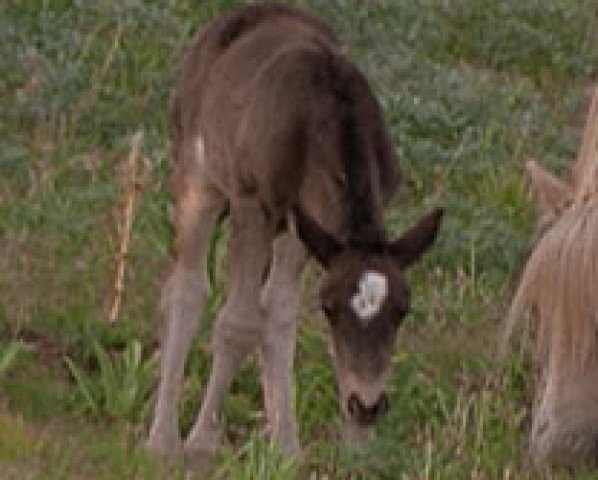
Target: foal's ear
<point x="552" y="192"/>
<point x="319" y="243"/>
<point x="414" y="242"/>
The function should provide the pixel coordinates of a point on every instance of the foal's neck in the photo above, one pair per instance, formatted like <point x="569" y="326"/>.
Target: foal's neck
<point x="364" y="212"/>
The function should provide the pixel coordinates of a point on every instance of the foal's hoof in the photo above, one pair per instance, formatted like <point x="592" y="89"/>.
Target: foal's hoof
<point x="290" y="448"/>
<point x="357" y="438"/>
<point x="167" y="449"/>
<point x="199" y="460"/>
<point x="293" y="451"/>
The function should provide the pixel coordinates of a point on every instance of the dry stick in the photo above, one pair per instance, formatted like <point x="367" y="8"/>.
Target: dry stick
<point x="91" y="96"/>
<point x="110" y="57"/>
<point x="585" y="170"/>
<point x="129" y="191"/>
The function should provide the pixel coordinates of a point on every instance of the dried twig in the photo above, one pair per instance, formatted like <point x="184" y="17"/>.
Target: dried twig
<point x="129" y="190"/>
<point x="91" y="96"/>
<point x="110" y="56"/>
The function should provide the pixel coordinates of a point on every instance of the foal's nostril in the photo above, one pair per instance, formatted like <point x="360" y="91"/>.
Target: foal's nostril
<point x="354" y="406"/>
<point x="383" y="404"/>
<point x="364" y="414"/>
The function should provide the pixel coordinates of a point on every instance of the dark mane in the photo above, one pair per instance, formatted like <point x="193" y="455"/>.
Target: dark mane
<point x="358" y="113"/>
<point x="364" y="222"/>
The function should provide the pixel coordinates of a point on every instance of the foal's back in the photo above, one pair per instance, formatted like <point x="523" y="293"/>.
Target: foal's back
<point x="260" y="94"/>
<point x="217" y="39"/>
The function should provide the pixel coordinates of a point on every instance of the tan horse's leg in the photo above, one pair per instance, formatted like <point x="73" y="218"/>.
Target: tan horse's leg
<point x="238" y="328"/>
<point x="197" y="212"/>
<point x="564" y="430"/>
<point x="281" y="299"/>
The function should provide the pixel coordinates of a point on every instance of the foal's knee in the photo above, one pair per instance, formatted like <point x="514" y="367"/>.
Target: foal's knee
<point x="181" y="299"/>
<point x="237" y="332"/>
<point x="280" y="294"/>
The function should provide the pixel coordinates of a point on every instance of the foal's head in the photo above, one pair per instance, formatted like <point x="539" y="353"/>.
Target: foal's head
<point x="364" y="297"/>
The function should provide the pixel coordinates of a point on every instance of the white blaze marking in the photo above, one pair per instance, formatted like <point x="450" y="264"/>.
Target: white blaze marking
<point x="371" y="293"/>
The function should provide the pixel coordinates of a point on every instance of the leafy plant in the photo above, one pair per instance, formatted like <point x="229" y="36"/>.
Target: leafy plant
<point x="8" y="355"/>
<point x="258" y="459"/>
<point x="121" y="386"/>
<point x="469" y="89"/>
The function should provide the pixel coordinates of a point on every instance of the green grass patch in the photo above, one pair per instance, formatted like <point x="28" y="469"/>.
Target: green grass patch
<point x="469" y="89"/>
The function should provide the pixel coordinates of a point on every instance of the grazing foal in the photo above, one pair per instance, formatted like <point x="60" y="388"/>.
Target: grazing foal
<point x="274" y="127"/>
<point x="559" y="287"/>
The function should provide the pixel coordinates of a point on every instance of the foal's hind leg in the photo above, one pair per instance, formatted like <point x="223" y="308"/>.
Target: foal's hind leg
<point x="239" y="324"/>
<point x="197" y="211"/>
<point x="281" y="299"/>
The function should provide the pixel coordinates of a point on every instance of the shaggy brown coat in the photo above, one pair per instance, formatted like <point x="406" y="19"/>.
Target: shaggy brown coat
<point x="272" y="125"/>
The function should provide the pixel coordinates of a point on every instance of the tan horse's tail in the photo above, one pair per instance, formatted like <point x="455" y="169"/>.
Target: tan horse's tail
<point x="585" y="170"/>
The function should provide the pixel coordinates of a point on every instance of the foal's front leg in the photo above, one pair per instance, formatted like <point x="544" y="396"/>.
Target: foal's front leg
<point x="281" y="299"/>
<point x="239" y="325"/>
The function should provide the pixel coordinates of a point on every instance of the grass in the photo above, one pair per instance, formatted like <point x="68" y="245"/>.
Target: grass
<point x="469" y="90"/>
<point x="121" y="388"/>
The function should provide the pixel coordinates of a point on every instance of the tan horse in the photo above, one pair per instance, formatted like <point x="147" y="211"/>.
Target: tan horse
<point x="559" y="290"/>
<point x="275" y="128"/>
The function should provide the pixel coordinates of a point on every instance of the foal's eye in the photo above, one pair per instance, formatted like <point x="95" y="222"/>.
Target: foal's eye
<point x="402" y="313"/>
<point x="328" y="310"/>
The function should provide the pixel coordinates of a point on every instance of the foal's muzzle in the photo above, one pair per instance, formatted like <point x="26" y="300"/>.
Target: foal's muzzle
<point x="366" y="415"/>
